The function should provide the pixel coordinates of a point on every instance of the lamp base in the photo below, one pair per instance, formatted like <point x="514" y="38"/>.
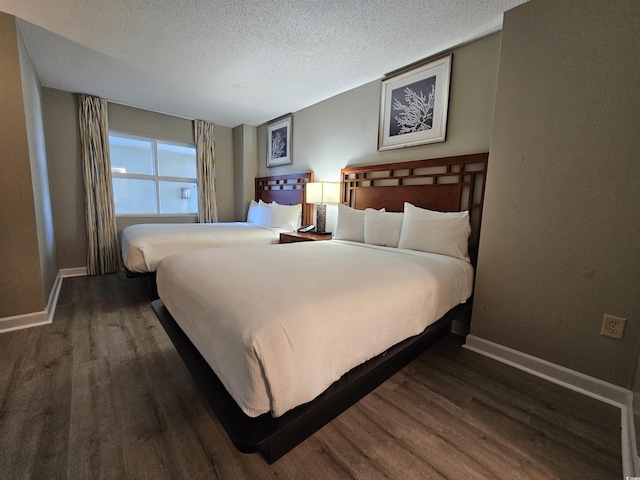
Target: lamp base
<point x="321" y="218"/>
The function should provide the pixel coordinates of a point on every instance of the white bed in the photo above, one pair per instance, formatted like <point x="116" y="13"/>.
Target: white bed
<point x="144" y="245"/>
<point x="278" y="324"/>
<point x="264" y="329"/>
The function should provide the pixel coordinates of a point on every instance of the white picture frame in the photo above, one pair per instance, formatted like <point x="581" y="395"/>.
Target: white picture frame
<point x="414" y="104"/>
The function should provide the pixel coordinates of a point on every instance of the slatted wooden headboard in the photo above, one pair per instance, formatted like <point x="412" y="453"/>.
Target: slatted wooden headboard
<point x="286" y="189"/>
<point x="445" y="184"/>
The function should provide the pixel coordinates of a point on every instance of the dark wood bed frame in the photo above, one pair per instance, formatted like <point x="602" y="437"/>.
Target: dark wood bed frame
<point x="287" y="189"/>
<point x="445" y="184"/>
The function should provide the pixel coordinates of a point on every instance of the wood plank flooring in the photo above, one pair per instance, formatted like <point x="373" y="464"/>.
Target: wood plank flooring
<point x="101" y="393"/>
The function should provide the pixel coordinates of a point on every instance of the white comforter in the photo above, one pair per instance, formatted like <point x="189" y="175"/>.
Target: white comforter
<point x="144" y="245"/>
<point x="279" y="324"/>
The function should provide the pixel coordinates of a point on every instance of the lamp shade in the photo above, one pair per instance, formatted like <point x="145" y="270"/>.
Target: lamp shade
<point x="322" y="192"/>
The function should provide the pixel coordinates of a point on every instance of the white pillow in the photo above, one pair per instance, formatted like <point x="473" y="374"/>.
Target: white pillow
<point x="285" y="216"/>
<point x="264" y="214"/>
<point x="382" y="228"/>
<point x="252" y="214"/>
<point x="350" y="224"/>
<point x="435" y="232"/>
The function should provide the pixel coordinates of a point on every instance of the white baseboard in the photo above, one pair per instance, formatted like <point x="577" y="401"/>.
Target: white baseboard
<point x="576" y="381"/>
<point x="27" y="320"/>
<point x="53" y="297"/>
<point x="73" y="272"/>
<point x="44" y="317"/>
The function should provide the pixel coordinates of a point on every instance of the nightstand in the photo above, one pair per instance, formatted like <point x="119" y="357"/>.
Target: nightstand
<point x="292" y="237"/>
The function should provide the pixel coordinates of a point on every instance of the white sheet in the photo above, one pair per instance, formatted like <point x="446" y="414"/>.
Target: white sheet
<point x="279" y="324"/>
<point x="144" y="245"/>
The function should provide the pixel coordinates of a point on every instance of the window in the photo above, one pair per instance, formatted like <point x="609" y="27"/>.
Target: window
<point x="152" y="176"/>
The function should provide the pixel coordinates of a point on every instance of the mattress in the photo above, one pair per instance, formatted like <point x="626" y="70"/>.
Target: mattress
<point x="280" y="324"/>
<point x="144" y="245"/>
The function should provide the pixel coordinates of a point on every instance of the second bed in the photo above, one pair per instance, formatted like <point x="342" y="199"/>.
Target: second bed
<point x="144" y="245"/>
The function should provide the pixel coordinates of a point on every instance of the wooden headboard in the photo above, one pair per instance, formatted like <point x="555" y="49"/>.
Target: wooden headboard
<point x="286" y="189"/>
<point x="447" y="184"/>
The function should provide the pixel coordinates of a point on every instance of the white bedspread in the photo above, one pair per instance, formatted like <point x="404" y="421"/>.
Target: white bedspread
<point x="280" y="324"/>
<point x="144" y="245"/>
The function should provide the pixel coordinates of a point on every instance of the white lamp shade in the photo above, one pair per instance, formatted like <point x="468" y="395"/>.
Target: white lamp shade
<point x="322" y="192"/>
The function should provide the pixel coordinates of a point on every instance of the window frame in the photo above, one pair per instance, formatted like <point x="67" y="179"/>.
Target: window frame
<point x="155" y="177"/>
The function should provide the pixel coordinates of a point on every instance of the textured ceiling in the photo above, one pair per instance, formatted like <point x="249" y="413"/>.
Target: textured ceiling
<point x="235" y="62"/>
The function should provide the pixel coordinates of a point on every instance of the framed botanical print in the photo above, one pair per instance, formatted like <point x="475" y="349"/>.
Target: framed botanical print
<point x="279" y="134"/>
<point x="413" y="105"/>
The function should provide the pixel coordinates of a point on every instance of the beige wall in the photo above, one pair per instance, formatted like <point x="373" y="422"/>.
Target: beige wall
<point x="60" y="112"/>
<point x="343" y="130"/>
<point x="32" y="95"/>
<point x="636" y="400"/>
<point x="144" y="122"/>
<point x="65" y="171"/>
<point x="21" y="282"/>
<point x="559" y="244"/>
<point x="245" y="152"/>
<point x="224" y="174"/>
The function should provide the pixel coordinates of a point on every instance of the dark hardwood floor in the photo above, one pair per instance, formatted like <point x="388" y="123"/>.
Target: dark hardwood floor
<point x="101" y="393"/>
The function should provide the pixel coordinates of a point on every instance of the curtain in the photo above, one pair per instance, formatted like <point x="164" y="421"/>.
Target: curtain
<point x="103" y="254"/>
<point x="205" y="151"/>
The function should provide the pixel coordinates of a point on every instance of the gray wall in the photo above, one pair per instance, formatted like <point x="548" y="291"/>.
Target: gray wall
<point x="65" y="171"/>
<point x="343" y="130"/>
<point x="559" y="243"/>
<point x="21" y="280"/>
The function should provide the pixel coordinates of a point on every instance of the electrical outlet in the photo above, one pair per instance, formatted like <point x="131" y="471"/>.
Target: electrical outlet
<point x="612" y="326"/>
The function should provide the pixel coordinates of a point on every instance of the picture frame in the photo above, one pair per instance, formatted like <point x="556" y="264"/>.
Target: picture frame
<point x="279" y="146"/>
<point x="413" y="104"/>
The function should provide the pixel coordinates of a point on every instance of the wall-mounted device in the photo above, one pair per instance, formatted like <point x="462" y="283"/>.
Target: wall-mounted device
<point x="185" y="193"/>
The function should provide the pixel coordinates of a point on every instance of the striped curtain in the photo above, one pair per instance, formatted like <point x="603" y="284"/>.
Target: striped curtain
<point x="103" y="255"/>
<point x="205" y="150"/>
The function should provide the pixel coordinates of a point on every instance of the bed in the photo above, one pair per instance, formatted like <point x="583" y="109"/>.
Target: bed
<point x="349" y="313"/>
<point x="144" y="245"/>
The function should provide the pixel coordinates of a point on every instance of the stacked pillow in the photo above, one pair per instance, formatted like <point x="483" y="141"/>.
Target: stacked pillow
<point x="275" y="215"/>
<point x="350" y="225"/>
<point x="446" y="233"/>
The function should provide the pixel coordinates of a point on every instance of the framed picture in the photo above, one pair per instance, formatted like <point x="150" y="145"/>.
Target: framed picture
<point x="413" y="105"/>
<point x="279" y="134"/>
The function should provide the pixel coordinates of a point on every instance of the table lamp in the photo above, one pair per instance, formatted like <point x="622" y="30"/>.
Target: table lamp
<point x="321" y="193"/>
